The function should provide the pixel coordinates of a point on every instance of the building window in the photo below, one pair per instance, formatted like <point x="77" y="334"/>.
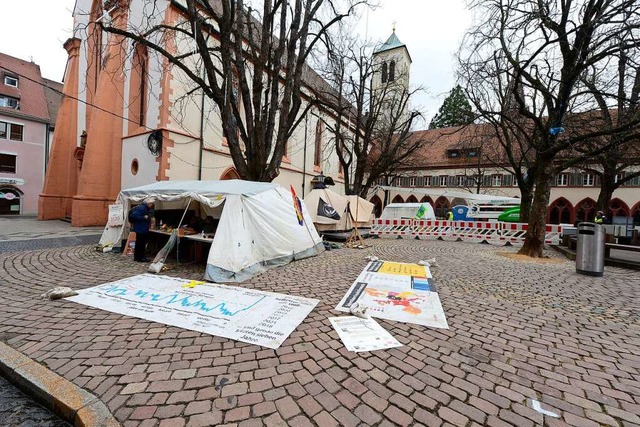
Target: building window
<point x="392" y="71"/>
<point x="135" y="166"/>
<point x="562" y="180"/>
<point x="384" y="72"/>
<point x="514" y="180"/>
<point x="619" y="177"/>
<point x="443" y="181"/>
<point x="472" y="153"/>
<point x="8" y="163"/>
<point x="412" y="181"/>
<point x="138" y="88"/>
<point x="11" y="81"/>
<point x="453" y="154"/>
<point x="9" y="102"/>
<point x="427" y="181"/>
<point x="460" y="180"/>
<point x="317" y="153"/>
<point x="16" y="132"/>
<point x="496" y="180"/>
<point x="3" y="130"/>
<point x="587" y="180"/>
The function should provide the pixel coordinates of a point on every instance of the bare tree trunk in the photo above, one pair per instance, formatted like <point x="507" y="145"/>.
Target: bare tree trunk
<point x="534" y="238"/>
<point x="526" y="196"/>
<point x="607" y="187"/>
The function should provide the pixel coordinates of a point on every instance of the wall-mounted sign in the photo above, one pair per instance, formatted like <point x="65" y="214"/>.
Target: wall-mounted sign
<point x="14" y="181"/>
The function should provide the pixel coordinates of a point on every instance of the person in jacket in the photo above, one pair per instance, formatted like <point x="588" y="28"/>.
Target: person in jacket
<point x="141" y="221"/>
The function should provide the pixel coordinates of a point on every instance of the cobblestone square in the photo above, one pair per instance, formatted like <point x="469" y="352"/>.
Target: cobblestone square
<point x="518" y="330"/>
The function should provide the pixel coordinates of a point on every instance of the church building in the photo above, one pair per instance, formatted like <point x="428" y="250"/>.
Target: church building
<point x="129" y="118"/>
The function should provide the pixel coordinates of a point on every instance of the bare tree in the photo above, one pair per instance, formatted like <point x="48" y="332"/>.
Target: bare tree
<point x="373" y="125"/>
<point x="544" y="48"/>
<point x="612" y="165"/>
<point x="251" y="62"/>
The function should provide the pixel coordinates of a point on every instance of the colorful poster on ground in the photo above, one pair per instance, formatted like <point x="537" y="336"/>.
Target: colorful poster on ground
<point x="255" y="317"/>
<point x="397" y="291"/>
<point x="358" y="334"/>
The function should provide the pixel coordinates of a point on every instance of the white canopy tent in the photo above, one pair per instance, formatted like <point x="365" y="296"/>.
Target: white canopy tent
<point x="360" y="208"/>
<point x="258" y="228"/>
<point x="408" y="210"/>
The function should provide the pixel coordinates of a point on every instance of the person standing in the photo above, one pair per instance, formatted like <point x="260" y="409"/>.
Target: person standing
<point x="600" y="218"/>
<point x="140" y="218"/>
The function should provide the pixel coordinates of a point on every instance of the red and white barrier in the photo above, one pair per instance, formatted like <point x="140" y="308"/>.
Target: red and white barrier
<point x="495" y="233"/>
<point x="391" y="227"/>
<point x="426" y="229"/>
<point x="477" y="231"/>
<point x="510" y="232"/>
<point x="552" y="234"/>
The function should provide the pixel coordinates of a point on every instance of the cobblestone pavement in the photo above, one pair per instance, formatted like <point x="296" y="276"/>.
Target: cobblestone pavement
<point x="16" y="409"/>
<point x="29" y="228"/>
<point x="518" y="330"/>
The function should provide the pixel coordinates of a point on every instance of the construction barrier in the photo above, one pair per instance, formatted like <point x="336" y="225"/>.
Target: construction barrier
<point x="552" y="234"/>
<point x="477" y="231"/>
<point x="391" y="227"/>
<point x="493" y="232"/>
<point x="510" y="232"/>
<point x="432" y="229"/>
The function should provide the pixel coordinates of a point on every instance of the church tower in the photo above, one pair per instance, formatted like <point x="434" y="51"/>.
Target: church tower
<point x="392" y="66"/>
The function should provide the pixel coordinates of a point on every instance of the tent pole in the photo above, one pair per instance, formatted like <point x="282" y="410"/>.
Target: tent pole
<point x="179" y="225"/>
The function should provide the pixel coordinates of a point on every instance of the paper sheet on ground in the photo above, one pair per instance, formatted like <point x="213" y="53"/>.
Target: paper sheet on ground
<point x="358" y="334"/>
<point x="397" y="291"/>
<point x="255" y="317"/>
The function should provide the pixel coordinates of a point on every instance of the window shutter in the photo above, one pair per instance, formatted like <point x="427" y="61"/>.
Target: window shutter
<point x="597" y="180"/>
<point x="486" y="181"/>
<point x="420" y="181"/>
<point x="452" y="181"/>
<point x="506" y="180"/>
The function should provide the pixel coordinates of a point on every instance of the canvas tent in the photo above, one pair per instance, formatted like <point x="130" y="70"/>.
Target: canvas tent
<point x="360" y="208"/>
<point x="258" y="227"/>
<point x="422" y="210"/>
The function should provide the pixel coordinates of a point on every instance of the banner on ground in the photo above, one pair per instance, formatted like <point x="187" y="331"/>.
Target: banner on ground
<point x="396" y="291"/>
<point x="358" y="334"/>
<point x="255" y="317"/>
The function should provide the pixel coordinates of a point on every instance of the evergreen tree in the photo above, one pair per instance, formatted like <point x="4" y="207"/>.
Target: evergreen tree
<point x="455" y="111"/>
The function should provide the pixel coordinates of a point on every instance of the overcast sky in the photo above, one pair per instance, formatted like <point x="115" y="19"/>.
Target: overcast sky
<point x="431" y="29"/>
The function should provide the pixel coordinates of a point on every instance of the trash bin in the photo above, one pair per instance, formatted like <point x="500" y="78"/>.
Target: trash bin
<point x="590" y="249"/>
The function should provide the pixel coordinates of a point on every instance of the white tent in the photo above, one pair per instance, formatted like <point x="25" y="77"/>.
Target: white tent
<point x="360" y="208"/>
<point x="408" y="210"/>
<point x="258" y="228"/>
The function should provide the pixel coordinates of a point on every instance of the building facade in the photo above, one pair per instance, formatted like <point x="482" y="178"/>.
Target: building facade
<point x="28" y="105"/>
<point x="449" y="163"/>
<point x="138" y="122"/>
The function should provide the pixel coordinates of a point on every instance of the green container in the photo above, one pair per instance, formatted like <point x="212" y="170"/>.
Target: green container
<point x="510" y="215"/>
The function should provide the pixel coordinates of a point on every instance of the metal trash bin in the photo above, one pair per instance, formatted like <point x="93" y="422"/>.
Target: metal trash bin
<point x="590" y="249"/>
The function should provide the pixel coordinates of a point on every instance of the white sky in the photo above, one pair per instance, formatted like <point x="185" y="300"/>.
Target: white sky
<point x="431" y="29"/>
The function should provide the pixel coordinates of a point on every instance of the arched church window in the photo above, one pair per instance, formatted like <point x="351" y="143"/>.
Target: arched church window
<point x="392" y="71"/>
<point x="139" y="87"/>
<point x="384" y="72"/>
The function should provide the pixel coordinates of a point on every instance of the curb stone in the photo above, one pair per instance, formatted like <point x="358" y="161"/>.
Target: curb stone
<point x="62" y="397"/>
